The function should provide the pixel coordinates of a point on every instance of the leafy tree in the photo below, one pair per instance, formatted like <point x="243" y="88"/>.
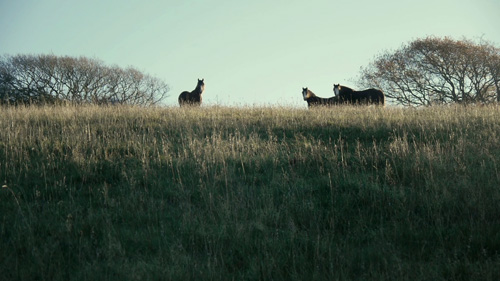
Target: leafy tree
<point x="28" y="79"/>
<point x="434" y="71"/>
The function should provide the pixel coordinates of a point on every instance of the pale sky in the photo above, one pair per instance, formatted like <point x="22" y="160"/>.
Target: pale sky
<point x="258" y="52"/>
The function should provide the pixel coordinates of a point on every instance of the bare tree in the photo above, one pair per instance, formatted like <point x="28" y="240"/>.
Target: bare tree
<point x="48" y="78"/>
<point x="437" y="71"/>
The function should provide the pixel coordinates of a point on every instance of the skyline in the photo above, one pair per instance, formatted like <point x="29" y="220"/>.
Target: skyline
<point x="248" y="53"/>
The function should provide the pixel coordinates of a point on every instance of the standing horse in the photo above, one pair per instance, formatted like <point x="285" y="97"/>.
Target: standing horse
<point x="348" y="95"/>
<point x="313" y="100"/>
<point x="193" y="97"/>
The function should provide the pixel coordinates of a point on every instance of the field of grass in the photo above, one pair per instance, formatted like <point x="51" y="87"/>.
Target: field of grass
<point x="124" y="193"/>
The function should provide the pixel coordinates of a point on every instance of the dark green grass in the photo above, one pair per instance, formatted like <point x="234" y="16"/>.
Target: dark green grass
<point x="249" y="194"/>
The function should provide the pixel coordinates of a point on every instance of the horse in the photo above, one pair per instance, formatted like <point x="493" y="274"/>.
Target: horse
<point x="192" y="98"/>
<point x="349" y="96"/>
<point x="313" y="100"/>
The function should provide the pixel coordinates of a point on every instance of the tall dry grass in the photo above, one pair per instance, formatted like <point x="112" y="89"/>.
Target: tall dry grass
<point x="250" y="193"/>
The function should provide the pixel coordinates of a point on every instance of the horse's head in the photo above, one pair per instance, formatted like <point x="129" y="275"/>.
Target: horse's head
<point x="201" y="85"/>
<point x="336" y="89"/>
<point x="305" y="93"/>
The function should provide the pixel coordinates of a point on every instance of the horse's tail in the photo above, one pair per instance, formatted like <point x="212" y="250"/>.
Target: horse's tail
<point x="382" y="98"/>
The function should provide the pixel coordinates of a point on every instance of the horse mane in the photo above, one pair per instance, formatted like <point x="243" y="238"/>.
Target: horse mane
<point x="345" y="89"/>
<point x="311" y="92"/>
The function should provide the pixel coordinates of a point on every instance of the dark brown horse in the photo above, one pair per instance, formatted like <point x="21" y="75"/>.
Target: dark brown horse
<point x="349" y="96"/>
<point x="313" y="100"/>
<point x="192" y="98"/>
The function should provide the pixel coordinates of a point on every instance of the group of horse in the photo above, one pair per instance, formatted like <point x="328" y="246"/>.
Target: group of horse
<point x="343" y="95"/>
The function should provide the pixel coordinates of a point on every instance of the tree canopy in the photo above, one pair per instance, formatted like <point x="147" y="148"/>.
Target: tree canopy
<point x="433" y="71"/>
<point x="41" y="79"/>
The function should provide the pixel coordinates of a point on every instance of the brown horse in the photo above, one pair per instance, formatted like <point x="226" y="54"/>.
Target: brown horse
<point x="349" y="96"/>
<point x="192" y="98"/>
<point x="313" y="100"/>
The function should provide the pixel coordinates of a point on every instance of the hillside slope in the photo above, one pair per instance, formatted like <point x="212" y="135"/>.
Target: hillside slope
<point x="92" y="193"/>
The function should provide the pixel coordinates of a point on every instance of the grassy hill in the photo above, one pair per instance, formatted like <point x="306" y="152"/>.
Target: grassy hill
<point x="121" y="193"/>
